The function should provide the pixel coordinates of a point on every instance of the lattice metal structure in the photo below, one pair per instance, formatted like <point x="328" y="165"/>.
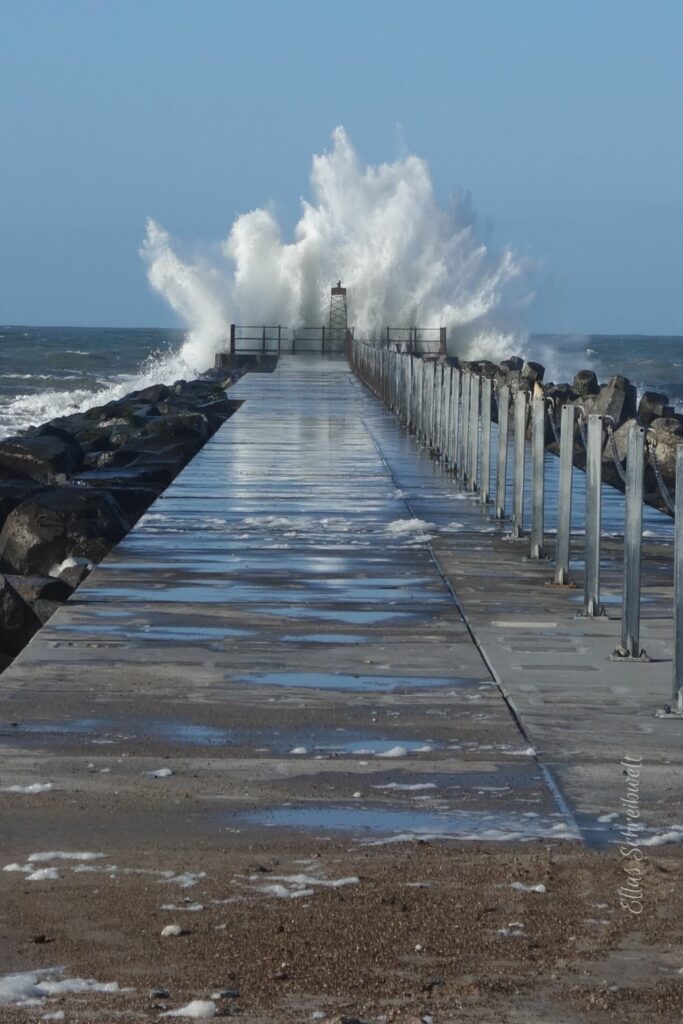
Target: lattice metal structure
<point x="338" y="318"/>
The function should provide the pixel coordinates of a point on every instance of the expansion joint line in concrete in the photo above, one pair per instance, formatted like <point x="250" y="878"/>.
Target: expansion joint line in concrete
<point x="550" y="781"/>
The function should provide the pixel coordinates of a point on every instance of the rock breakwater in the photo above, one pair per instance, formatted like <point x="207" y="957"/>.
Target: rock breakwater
<point x="73" y="487"/>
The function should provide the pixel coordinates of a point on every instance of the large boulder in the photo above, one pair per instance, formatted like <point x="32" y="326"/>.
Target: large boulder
<point x="668" y="434"/>
<point x="153" y="473"/>
<point x="172" y="427"/>
<point x="47" y="528"/>
<point x="154" y="393"/>
<point x="133" y="501"/>
<point x="44" y="458"/>
<point x="17" y="622"/>
<point x="43" y="594"/>
<point x="617" y="399"/>
<point x="117" y="458"/>
<point x="13" y="492"/>
<point x="512" y="363"/>
<point x="533" y="372"/>
<point x="585" y="383"/>
<point x="654" y="405"/>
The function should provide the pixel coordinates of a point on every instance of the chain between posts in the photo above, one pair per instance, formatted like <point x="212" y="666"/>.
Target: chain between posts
<point x="612" y="445"/>
<point x="661" y="484"/>
<point x="550" y="406"/>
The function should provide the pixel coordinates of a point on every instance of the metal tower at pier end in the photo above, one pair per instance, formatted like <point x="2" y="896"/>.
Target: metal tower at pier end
<point x="338" y="318"/>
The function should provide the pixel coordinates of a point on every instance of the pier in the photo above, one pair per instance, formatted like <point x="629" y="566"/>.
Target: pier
<point x="317" y="635"/>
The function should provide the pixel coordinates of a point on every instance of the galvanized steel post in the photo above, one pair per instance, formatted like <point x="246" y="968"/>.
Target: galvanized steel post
<point x="473" y="459"/>
<point x="537" y="537"/>
<point x="446" y="437"/>
<point x="485" y="481"/>
<point x="456" y="422"/>
<point x="502" y="466"/>
<point x="564" y="497"/>
<point x="520" y="445"/>
<point x="465" y="429"/>
<point x="633" y="543"/>
<point x="677" y="698"/>
<point x="592" y="606"/>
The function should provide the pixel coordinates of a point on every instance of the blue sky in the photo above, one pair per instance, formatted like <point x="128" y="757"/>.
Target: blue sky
<point x="563" y="119"/>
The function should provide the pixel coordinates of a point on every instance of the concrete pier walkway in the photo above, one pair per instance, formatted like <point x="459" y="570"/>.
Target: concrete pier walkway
<point x="312" y="656"/>
<point x="277" y="630"/>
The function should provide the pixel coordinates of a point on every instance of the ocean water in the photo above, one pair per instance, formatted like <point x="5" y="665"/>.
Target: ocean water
<point x="50" y="371"/>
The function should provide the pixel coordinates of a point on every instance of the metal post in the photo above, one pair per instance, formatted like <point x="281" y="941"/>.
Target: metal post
<point x="323" y="339"/>
<point x="431" y="382"/>
<point x="474" y="433"/>
<point x="263" y="340"/>
<point x="279" y="337"/>
<point x="456" y="422"/>
<point x="633" y="542"/>
<point x="520" y="442"/>
<point x="232" y="339"/>
<point x="564" y="497"/>
<point x="592" y="606"/>
<point x="677" y="698"/>
<point x="465" y="430"/>
<point x="446" y="438"/>
<point x="485" y="482"/>
<point x="502" y="469"/>
<point x="537" y="476"/>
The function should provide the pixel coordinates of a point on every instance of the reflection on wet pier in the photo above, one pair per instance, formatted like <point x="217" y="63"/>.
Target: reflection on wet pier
<point x="321" y="629"/>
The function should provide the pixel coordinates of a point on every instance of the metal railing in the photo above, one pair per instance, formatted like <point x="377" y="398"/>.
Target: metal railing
<point x="275" y="339"/>
<point x="450" y="412"/>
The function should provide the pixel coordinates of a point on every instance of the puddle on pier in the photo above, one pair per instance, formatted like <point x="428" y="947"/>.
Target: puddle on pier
<point x="214" y="590"/>
<point x="325" y="638"/>
<point x="337" y="615"/>
<point x="168" y="634"/>
<point x="325" y="743"/>
<point x="398" y="824"/>
<point x="358" y="683"/>
<point x="116" y="730"/>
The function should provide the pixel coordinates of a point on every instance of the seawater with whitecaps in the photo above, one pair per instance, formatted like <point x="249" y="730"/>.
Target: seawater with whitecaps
<point x="52" y="371"/>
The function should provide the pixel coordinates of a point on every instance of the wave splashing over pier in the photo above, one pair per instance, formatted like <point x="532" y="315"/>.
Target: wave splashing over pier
<point x="405" y="260"/>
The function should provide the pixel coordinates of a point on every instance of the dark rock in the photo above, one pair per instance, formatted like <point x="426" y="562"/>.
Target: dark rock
<point x="45" y="458"/>
<point x="668" y="434"/>
<point x="560" y="394"/>
<point x="513" y="363"/>
<point x="115" y="459"/>
<point x="133" y="501"/>
<point x="73" y="575"/>
<point x="654" y="405"/>
<point x="533" y="372"/>
<point x="48" y="430"/>
<point x="617" y="399"/>
<point x="43" y="594"/>
<point x="173" y="427"/>
<point x="585" y="383"/>
<point x="484" y="367"/>
<point x="17" y="622"/>
<point x="155" y="393"/>
<point x="158" y="473"/>
<point x="47" y="528"/>
<point x="13" y="492"/>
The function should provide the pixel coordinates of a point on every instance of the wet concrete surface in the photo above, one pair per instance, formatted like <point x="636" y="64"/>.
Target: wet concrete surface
<point x="285" y="626"/>
<point x="277" y="634"/>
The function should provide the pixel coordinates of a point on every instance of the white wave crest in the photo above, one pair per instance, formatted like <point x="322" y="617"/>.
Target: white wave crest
<point x="404" y="259"/>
